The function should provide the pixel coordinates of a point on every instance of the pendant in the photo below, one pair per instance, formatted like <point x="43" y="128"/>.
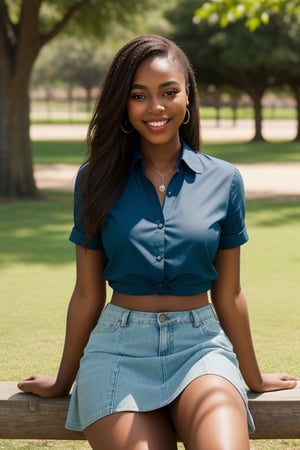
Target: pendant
<point x="162" y="188"/>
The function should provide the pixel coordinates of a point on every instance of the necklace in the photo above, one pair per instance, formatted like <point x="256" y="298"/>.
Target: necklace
<point x="162" y="187"/>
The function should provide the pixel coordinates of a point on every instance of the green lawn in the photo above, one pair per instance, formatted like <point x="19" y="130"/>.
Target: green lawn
<point x="74" y="152"/>
<point x="255" y="152"/>
<point x="37" y="276"/>
<point x="59" y="152"/>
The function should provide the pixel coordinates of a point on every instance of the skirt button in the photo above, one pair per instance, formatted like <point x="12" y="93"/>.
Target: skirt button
<point x="162" y="318"/>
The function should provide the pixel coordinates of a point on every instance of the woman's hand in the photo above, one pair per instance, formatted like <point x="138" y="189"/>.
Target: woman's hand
<point x="41" y="385"/>
<point x="277" y="381"/>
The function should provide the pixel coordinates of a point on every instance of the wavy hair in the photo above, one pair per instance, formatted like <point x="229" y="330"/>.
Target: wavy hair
<point x="109" y="149"/>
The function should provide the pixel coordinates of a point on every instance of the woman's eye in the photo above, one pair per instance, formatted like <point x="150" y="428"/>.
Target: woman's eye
<point x="139" y="97"/>
<point x="171" y="92"/>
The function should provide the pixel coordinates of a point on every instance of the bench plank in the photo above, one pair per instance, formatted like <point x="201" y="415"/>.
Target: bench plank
<point x="27" y="416"/>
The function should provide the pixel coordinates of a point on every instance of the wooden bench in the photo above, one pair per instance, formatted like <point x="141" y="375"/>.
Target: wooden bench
<point x="26" y="416"/>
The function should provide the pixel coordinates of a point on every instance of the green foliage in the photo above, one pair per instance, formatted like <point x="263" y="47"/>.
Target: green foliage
<point x="255" y="13"/>
<point x="93" y="17"/>
<point x="73" y="62"/>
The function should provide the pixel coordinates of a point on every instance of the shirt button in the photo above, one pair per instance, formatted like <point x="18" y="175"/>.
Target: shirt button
<point x="160" y="225"/>
<point x="158" y="258"/>
<point x="162" y="318"/>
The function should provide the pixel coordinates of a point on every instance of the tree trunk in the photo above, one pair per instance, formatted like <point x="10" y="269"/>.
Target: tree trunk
<point x="296" y="92"/>
<point x="20" y="44"/>
<point x="16" y="169"/>
<point x="19" y="48"/>
<point x="257" y="104"/>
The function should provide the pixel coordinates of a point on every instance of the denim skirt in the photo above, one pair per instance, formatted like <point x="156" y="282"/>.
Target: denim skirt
<point x="140" y="361"/>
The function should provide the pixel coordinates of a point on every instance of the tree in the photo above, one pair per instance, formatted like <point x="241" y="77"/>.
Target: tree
<point x="26" y="26"/>
<point x="81" y="63"/>
<point x="226" y="56"/>
<point x="249" y="61"/>
<point x="286" y="59"/>
<point x="255" y="13"/>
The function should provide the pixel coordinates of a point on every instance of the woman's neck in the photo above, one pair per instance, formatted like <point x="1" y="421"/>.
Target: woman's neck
<point x="161" y="157"/>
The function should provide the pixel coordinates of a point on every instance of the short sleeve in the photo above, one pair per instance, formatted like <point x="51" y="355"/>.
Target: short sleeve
<point x="234" y="232"/>
<point x="78" y="232"/>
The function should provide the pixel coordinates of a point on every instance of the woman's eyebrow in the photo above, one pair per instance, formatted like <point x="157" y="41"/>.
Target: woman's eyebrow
<point x="162" y="85"/>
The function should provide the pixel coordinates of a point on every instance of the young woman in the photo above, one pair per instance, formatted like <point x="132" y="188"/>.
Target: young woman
<point x="163" y="224"/>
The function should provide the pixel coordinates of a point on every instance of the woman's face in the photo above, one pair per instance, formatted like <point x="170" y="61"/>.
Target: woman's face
<point x="157" y="101"/>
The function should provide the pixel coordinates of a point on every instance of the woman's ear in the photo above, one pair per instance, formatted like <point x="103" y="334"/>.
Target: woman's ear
<point x="187" y="90"/>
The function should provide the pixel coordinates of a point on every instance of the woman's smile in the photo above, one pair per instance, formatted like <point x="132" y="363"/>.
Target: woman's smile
<point x="157" y="125"/>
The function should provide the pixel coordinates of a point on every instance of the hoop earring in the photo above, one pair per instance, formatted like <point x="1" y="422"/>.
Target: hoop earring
<point x="124" y="127"/>
<point x="188" y="114"/>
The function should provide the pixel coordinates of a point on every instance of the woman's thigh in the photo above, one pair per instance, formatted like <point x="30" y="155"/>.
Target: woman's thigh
<point x="210" y="414"/>
<point x="133" y="431"/>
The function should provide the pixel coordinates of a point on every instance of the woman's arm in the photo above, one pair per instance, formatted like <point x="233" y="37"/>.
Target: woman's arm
<point x="231" y="307"/>
<point x="86" y="304"/>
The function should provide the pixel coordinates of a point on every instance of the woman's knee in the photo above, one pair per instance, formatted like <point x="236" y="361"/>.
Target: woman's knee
<point x="132" y="431"/>
<point x="211" y="414"/>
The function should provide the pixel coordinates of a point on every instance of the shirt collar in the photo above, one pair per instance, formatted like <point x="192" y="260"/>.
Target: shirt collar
<point x="191" y="158"/>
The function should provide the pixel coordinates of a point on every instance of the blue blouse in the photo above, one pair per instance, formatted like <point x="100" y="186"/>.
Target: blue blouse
<point x="170" y="249"/>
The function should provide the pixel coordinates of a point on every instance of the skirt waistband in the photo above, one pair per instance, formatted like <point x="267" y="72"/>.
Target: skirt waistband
<point x="127" y="316"/>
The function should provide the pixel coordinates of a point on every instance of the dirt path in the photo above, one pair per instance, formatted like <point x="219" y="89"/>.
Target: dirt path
<point x="225" y="132"/>
<point x="261" y="180"/>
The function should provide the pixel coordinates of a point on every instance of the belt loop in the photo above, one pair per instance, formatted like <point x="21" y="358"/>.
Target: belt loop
<point x="124" y="319"/>
<point x="195" y="318"/>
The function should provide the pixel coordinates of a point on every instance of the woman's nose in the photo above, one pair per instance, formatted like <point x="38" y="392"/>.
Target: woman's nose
<point x="156" y="106"/>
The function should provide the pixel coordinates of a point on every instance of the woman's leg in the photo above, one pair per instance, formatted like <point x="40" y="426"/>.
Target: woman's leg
<point x="210" y="414"/>
<point x="133" y="431"/>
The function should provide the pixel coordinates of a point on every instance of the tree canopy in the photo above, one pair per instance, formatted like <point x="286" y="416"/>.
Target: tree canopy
<point x="255" y="13"/>
<point x="251" y="62"/>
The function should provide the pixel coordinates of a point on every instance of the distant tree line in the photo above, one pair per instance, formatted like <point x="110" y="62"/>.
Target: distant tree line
<point x="231" y="58"/>
<point x="69" y="63"/>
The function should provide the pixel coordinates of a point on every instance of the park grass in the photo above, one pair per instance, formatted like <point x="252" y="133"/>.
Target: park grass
<point x="74" y="152"/>
<point x="255" y="152"/>
<point x="37" y="277"/>
<point x="59" y="152"/>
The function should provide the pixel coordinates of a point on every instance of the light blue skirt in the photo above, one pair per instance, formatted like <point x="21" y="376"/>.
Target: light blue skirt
<point x="137" y="361"/>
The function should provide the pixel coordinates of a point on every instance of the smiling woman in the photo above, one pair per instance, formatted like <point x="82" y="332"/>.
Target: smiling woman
<point x="157" y="106"/>
<point x="163" y="224"/>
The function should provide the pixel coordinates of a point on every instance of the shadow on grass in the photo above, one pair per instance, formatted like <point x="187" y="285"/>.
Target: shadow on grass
<point x="37" y="232"/>
<point x="275" y="212"/>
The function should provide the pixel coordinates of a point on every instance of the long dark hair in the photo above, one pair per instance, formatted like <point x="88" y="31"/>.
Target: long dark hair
<point x="109" y="147"/>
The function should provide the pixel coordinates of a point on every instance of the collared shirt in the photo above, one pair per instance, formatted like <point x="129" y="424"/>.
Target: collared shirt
<point x="170" y="249"/>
